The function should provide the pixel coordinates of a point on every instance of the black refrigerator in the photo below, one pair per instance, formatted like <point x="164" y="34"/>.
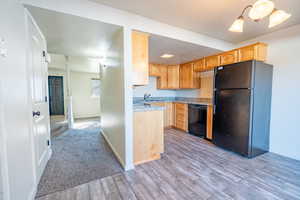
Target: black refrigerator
<point x="242" y="104"/>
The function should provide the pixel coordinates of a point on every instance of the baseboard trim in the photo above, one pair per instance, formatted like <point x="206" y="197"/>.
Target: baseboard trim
<point x="86" y="116"/>
<point x="32" y="193"/>
<point x="114" y="151"/>
<point x="129" y="167"/>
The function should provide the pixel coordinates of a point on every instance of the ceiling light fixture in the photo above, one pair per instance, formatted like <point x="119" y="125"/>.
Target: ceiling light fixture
<point x="167" y="55"/>
<point x="237" y="25"/>
<point x="259" y="10"/>
<point x="277" y="17"/>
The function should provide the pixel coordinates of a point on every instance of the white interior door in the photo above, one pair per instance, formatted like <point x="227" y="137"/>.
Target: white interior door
<point x="39" y="94"/>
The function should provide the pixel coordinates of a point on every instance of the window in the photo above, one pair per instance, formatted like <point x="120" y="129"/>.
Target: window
<point x="95" y="87"/>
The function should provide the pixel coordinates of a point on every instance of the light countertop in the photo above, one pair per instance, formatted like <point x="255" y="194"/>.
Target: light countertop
<point x="139" y="104"/>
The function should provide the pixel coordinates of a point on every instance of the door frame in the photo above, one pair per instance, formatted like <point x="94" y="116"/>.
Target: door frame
<point x="30" y="19"/>
<point x="63" y="90"/>
<point x="4" y="179"/>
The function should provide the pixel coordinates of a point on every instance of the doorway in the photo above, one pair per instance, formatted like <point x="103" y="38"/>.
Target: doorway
<point x="80" y="153"/>
<point x="56" y="95"/>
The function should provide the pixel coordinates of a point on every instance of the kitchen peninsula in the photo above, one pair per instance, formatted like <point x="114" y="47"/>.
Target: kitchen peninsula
<point x="154" y="114"/>
<point x="148" y="133"/>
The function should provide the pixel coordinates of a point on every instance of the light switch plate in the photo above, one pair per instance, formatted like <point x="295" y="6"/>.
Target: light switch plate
<point x="3" y="53"/>
<point x="2" y="41"/>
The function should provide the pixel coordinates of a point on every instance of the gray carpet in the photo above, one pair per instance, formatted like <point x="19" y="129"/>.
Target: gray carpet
<point x="80" y="155"/>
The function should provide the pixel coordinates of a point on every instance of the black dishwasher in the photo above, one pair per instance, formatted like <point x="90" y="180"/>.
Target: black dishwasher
<point x="197" y="120"/>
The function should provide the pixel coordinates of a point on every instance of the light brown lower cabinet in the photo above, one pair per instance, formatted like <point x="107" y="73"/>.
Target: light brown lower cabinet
<point x="209" y="122"/>
<point x="148" y="136"/>
<point x="168" y="113"/>
<point x="181" y="116"/>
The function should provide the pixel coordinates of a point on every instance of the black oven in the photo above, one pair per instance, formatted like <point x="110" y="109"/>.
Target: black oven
<point x="197" y="120"/>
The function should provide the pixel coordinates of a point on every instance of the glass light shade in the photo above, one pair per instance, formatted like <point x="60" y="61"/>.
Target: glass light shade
<point x="277" y="17"/>
<point x="261" y="9"/>
<point x="237" y="25"/>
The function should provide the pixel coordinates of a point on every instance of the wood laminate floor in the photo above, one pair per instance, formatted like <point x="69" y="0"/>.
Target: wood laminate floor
<point x="192" y="168"/>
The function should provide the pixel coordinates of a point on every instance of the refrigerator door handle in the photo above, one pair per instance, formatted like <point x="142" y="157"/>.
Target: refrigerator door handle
<point x="214" y="110"/>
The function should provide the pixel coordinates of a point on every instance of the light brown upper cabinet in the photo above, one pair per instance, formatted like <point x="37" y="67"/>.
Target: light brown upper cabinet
<point x="173" y="76"/>
<point x="188" y="78"/>
<point x="199" y="65"/>
<point x="211" y="62"/>
<point x="257" y="51"/>
<point x="229" y="57"/>
<point x="154" y="70"/>
<point x="162" y="80"/>
<point x="140" y="58"/>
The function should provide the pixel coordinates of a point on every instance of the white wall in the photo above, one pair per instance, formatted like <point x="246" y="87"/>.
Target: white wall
<point x="283" y="53"/>
<point x="75" y="63"/>
<point x="15" y="108"/>
<point x="113" y="101"/>
<point x="192" y="93"/>
<point x="84" y="105"/>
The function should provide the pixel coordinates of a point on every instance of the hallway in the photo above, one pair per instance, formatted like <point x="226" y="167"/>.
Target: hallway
<point x="80" y="155"/>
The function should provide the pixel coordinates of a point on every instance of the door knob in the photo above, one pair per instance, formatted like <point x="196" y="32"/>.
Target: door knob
<point x="37" y="113"/>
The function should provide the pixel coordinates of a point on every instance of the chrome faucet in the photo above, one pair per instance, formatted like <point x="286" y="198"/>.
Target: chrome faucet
<point x="146" y="96"/>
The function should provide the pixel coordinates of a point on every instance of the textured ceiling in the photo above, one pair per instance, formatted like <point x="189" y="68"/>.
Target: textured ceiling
<point x="72" y="35"/>
<point x="210" y="17"/>
<point x="182" y="51"/>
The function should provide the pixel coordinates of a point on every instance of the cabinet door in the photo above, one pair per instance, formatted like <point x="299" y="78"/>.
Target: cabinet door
<point x="163" y="104"/>
<point x="170" y="114"/>
<point x="211" y="62"/>
<point x="246" y="53"/>
<point x="181" y="116"/>
<point x="154" y="70"/>
<point x="256" y="51"/>
<point x="189" y="79"/>
<point x="173" y="76"/>
<point x="186" y="75"/>
<point x="229" y="57"/>
<point x="148" y="136"/>
<point x="209" y="122"/>
<point x="140" y="58"/>
<point x="199" y="65"/>
<point x="162" y="80"/>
